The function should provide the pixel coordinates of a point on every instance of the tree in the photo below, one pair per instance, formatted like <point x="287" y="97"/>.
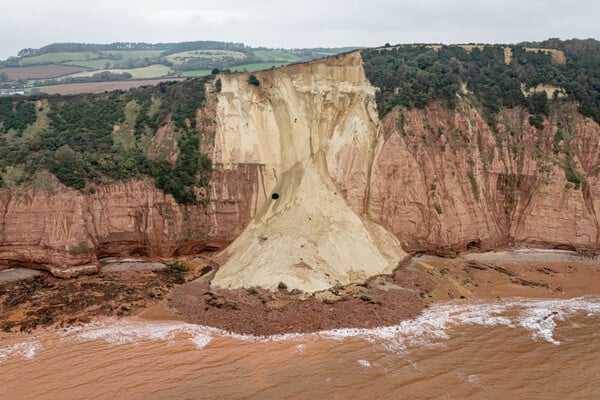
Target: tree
<point x="68" y="167"/>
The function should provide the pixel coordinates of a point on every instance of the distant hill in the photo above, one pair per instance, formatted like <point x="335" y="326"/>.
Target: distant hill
<point x="67" y="63"/>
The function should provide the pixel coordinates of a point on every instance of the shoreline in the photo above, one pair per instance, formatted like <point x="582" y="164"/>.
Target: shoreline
<point x="168" y="294"/>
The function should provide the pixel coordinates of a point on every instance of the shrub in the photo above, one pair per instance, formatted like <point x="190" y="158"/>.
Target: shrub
<point x="537" y="121"/>
<point x="253" y="80"/>
<point x="571" y="173"/>
<point x="68" y="167"/>
<point x="178" y="266"/>
<point x="474" y="186"/>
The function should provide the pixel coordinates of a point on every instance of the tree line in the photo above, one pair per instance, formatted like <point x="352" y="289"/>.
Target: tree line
<point x="414" y="75"/>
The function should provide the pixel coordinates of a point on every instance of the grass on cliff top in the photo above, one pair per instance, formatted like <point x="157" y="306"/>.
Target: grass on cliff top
<point x="257" y="66"/>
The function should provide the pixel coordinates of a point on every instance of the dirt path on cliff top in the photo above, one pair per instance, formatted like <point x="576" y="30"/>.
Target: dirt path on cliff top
<point x="385" y="300"/>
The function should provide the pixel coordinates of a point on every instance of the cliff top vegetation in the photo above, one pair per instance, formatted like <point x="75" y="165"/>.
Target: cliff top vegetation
<point x="493" y="76"/>
<point x="86" y="140"/>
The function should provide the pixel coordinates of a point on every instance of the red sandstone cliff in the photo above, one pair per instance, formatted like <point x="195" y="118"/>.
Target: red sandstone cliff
<point x="444" y="181"/>
<point x="57" y="231"/>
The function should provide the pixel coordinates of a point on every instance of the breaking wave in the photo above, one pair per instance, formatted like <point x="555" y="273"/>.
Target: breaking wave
<point x="120" y="332"/>
<point x="26" y="350"/>
<point x="536" y="316"/>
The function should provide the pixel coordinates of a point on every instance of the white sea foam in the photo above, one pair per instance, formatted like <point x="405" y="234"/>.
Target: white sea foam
<point x="127" y="331"/>
<point x="537" y="316"/>
<point x="26" y="350"/>
<point x="364" y="363"/>
<point x="540" y="316"/>
<point x="300" y="348"/>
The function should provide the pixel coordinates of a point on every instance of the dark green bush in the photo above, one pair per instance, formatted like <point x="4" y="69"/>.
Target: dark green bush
<point x="178" y="266"/>
<point x="69" y="168"/>
<point x="253" y="80"/>
<point x="16" y="114"/>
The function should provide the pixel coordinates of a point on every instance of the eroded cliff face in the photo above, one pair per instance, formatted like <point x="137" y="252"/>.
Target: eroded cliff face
<point x="66" y="232"/>
<point x="353" y="191"/>
<point x="443" y="181"/>
<point x="314" y="129"/>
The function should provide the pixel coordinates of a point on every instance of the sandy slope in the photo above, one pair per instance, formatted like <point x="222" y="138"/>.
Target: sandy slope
<point x="314" y="129"/>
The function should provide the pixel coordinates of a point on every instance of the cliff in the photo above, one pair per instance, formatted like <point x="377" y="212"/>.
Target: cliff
<point x="66" y="232"/>
<point x="312" y="189"/>
<point x="314" y="129"/>
<point x="445" y="182"/>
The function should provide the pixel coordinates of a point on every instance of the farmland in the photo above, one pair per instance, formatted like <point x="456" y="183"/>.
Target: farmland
<point x="98" y="87"/>
<point x="151" y="71"/>
<point x="116" y="59"/>
<point x="40" y="71"/>
<point x="215" y="55"/>
<point x="58" y="58"/>
<point x="80" y="64"/>
<point x="277" y="55"/>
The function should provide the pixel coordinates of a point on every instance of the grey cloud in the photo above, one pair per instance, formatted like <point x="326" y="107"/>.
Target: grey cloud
<point x="310" y="23"/>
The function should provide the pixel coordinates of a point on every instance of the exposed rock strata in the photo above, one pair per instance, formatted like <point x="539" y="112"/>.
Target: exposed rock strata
<point x="444" y="181"/>
<point x="63" y="231"/>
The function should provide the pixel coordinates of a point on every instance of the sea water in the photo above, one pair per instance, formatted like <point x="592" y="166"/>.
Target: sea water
<point x="511" y="348"/>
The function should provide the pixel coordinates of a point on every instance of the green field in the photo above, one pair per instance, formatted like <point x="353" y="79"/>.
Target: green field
<point x="94" y="64"/>
<point x="277" y="56"/>
<point x="194" y="74"/>
<point x="109" y="59"/>
<point x="257" y="66"/>
<point x="214" y="55"/>
<point x="151" y="71"/>
<point x="58" y="58"/>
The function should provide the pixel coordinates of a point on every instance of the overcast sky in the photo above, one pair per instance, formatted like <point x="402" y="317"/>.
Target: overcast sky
<point x="301" y="23"/>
